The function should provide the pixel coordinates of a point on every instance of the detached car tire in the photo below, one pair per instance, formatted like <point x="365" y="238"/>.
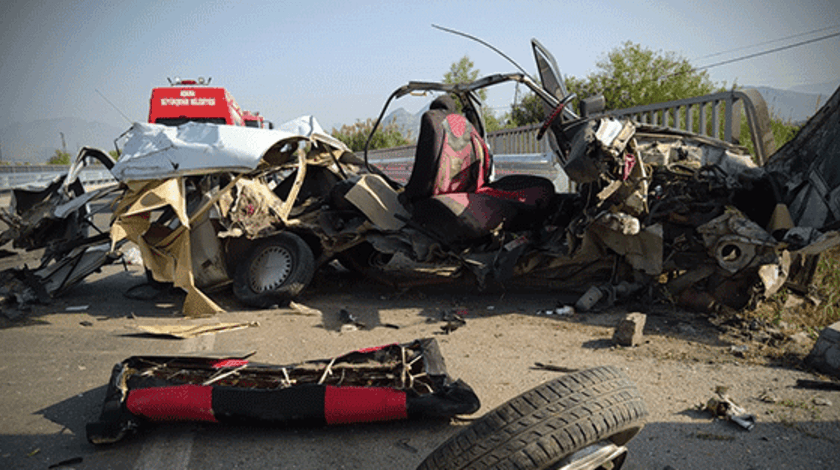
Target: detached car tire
<point x="539" y="428"/>
<point x="276" y="270"/>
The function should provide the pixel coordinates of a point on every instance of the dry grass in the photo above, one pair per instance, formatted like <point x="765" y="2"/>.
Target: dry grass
<point x="812" y="314"/>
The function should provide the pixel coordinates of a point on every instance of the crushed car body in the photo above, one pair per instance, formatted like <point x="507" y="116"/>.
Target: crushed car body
<point x="197" y="196"/>
<point x="655" y="211"/>
<point x="57" y="218"/>
<point x="397" y="381"/>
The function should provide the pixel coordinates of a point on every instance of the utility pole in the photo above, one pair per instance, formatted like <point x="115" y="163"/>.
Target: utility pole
<point x="63" y="144"/>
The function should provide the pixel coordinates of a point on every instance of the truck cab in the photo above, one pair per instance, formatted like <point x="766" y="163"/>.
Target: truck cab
<point x="193" y="101"/>
<point x="255" y="120"/>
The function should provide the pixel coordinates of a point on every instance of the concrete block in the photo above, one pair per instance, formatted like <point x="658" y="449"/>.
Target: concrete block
<point x="825" y="356"/>
<point x="629" y="331"/>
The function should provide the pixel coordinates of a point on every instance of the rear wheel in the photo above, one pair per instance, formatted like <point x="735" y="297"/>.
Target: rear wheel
<point x="276" y="270"/>
<point x="545" y="427"/>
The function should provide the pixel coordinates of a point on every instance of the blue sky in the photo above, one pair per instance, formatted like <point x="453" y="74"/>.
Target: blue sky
<point x="340" y="60"/>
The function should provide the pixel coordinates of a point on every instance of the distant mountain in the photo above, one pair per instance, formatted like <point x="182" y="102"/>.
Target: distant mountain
<point x="793" y="106"/>
<point x="409" y="124"/>
<point x="36" y="142"/>
<point x="826" y="88"/>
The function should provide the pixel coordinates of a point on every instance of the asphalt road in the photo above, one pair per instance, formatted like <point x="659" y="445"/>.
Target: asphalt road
<point x="57" y="361"/>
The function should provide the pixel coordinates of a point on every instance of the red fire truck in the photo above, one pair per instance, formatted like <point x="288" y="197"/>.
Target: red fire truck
<point x="255" y="120"/>
<point x="193" y="100"/>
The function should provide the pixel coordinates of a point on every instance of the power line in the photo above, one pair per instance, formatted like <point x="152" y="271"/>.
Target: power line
<point x="113" y="105"/>
<point x="767" y="42"/>
<point x="757" y="54"/>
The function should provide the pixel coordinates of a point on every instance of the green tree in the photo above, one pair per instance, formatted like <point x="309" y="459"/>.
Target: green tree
<point x="529" y="110"/>
<point x="60" y="158"/>
<point x="464" y="71"/>
<point x="783" y="131"/>
<point x="356" y="135"/>
<point x="115" y="154"/>
<point x="632" y="75"/>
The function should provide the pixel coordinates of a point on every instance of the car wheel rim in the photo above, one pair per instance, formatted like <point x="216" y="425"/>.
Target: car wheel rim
<point x="270" y="269"/>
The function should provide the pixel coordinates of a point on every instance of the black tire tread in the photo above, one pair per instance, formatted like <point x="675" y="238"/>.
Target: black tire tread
<point x="541" y="426"/>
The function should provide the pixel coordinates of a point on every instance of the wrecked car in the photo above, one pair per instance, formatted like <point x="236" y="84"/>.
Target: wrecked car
<point x="655" y="210"/>
<point x="56" y="221"/>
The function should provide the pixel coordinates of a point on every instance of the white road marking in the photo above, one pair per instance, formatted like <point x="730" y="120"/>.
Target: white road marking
<point x="167" y="448"/>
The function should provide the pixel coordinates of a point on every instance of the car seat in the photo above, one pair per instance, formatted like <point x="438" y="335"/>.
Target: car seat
<point x="449" y="192"/>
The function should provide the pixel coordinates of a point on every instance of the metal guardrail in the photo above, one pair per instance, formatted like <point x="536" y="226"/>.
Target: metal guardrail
<point x="512" y="148"/>
<point x="702" y="115"/>
<point x="42" y="175"/>
<point x="518" y="141"/>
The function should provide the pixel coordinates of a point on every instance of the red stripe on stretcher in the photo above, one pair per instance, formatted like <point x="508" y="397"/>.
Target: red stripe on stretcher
<point x="375" y="348"/>
<point x="363" y="404"/>
<point x="227" y="363"/>
<point x="179" y="403"/>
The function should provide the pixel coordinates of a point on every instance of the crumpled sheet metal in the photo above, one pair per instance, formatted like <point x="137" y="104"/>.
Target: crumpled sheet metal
<point x="155" y="162"/>
<point x="740" y="247"/>
<point x="167" y="255"/>
<point x="249" y="209"/>
<point x="667" y="147"/>
<point x="154" y="151"/>
<point x="809" y="170"/>
<point x="736" y="242"/>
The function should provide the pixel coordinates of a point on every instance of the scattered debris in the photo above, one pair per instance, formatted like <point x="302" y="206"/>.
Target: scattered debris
<point x="630" y="331"/>
<point x="403" y="444"/>
<point x="303" y="309"/>
<point x="132" y="257"/>
<point x="564" y="311"/>
<point x="800" y="338"/>
<point x="76" y="308"/>
<point x="191" y="331"/>
<point x="817" y="384"/>
<point x="588" y="300"/>
<point x="825" y="355"/>
<point x="555" y="368"/>
<point x="453" y="319"/>
<point x="86" y="323"/>
<point x="768" y="397"/>
<point x="348" y="319"/>
<point x="821" y="401"/>
<point x="739" y="350"/>
<point x="722" y="406"/>
<point x="397" y="381"/>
